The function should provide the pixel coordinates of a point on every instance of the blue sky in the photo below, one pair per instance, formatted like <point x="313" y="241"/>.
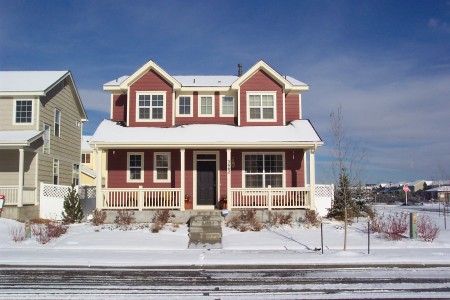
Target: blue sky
<point x="387" y="63"/>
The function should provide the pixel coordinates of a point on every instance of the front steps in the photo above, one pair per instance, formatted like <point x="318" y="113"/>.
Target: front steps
<point x="205" y="230"/>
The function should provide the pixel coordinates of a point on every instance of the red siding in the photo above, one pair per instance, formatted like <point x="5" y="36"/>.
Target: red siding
<point x="151" y="81"/>
<point x="117" y="169"/>
<point x="196" y="119"/>
<point x="260" y="81"/>
<point x="292" y="107"/>
<point x="119" y="108"/>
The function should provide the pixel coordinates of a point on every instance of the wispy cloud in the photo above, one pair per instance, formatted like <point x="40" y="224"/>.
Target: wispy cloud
<point x="95" y="100"/>
<point x="438" y="24"/>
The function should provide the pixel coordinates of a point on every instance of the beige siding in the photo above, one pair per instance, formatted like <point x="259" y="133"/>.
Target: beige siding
<point x="67" y="147"/>
<point x="7" y="114"/>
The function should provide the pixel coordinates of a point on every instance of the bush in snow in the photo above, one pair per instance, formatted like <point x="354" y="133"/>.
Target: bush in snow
<point x="73" y="213"/>
<point x="161" y="218"/>
<point x="427" y="229"/>
<point x="376" y="222"/>
<point x="124" y="218"/>
<point x="246" y="220"/>
<point x="45" y="232"/>
<point x="312" y="218"/>
<point x="98" y="217"/>
<point x="395" y="226"/>
<point x="277" y="219"/>
<point x="17" y="233"/>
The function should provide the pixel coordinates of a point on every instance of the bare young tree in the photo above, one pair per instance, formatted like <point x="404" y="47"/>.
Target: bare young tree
<point x="348" y="160"/>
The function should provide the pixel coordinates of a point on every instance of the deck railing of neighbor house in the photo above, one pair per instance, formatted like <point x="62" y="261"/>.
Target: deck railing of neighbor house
<point x="141" y="198"/>
<point x="11" y="194"/>
<point x="270" y="198"/>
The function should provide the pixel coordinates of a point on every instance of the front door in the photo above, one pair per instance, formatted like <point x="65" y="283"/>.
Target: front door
<point x="206" y="182"/>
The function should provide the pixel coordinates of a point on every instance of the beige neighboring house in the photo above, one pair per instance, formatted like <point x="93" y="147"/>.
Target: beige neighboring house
<point x="88" y="168"/>
<point x="41" y="123"/>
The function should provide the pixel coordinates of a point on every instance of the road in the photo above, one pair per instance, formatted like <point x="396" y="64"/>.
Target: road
<point x="231" y="283"/>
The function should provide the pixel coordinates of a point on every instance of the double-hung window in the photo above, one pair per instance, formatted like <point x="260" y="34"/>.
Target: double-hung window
<point x="184" y="106"/>
<point x="76" y="174"/>
<point x="47" y="129"/>
<point x="206" y="106"/>
<point x="161" y="167"/>
<point x="55" y="171"/>
<point x="262" y="170"/>
<point x="135" y="167"/>
<point x="261" y="107"/>
<point x="57" y="122"/>
<point x="86" y="158"/>
<point x="151" y="106"/>
<point x="23" y="112"/>
<point x="227" y="106"/>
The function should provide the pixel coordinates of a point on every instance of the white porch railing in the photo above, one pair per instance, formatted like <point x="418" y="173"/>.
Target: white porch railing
<point x="270" y="198"/>
<point x="141" y="199"/>
<point x="11" y="194"/>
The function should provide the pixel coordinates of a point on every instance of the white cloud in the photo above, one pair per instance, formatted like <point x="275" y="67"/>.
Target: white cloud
<point x="95" y="100"/>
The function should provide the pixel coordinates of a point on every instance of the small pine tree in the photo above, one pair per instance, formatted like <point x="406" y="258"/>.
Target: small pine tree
<point x="73" y="213"/>
<point x="343" y="199"/>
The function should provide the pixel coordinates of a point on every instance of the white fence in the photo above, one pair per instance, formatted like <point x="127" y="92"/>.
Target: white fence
<point x="324" y="198"/>
<point x="52" y="201"/>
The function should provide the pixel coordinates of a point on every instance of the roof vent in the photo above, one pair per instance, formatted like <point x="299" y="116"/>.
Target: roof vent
<point x="239" y="70"/>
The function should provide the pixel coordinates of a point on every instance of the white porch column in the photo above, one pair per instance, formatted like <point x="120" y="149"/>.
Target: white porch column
<point x="229" y="200"/>
<point x="20" y="189"/>
<point x="98" y="181"/>
<point x="312" y="178"/>
<point x="183" y="176"/>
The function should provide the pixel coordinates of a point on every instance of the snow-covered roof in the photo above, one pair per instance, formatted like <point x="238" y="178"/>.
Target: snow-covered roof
<point x="28" y="81"/>
<point x="91" y="173"/>
<point x="19" y="138"/>
<point x="85" y="139"/>
<point x="298" y="133"/>
<point x="205" y="81"/>
<point x="117" y="82"/>
<point x="444" y="188"/>
<point x="294" y="81"/>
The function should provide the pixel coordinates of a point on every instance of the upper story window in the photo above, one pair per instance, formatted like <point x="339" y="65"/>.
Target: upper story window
<point x="184" y="106"/>
<point x="261" y="106"/>
<point x="206" y="106"/>
<point x="162" y="167"/>
<point x="262" y="170"/>
<point x="86" y="158"/>
<point x="23" y="112"/>
<point x="47" y="129"/>
<point x="57" y="122"/>
<point x="135" y="167"/>
<point x="151" y="107"/>
<point x="227" y="106"/>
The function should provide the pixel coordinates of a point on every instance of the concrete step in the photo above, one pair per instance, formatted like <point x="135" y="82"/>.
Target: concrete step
<point x="205" y="213"/>
<point x="206" y="218"/>
<point x="205" y="223"/>
<point x="206" y="229"/>
<point x="203" y="236"/>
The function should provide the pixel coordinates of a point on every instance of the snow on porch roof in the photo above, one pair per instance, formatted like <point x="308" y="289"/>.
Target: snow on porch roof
<point x="19" y="138"/>
<point x="297" y="132"/>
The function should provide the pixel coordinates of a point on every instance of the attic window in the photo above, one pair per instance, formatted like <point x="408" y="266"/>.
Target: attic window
<point x="151" y="107"/>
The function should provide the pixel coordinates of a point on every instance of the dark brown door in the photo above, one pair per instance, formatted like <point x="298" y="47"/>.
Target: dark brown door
<point x="206" y="183"/>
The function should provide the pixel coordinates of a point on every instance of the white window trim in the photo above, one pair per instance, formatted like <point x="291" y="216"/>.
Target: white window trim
<point x="222" y="114"/>
<point x="178" y="114"/>
<point x="90" y="158"/>
<point x="264" y="153"/>
<point x="142" y="166"/>
<point x="274" y="94"/>
<point x="54" y="122"/>
<point x="49" y="138"/>
<point x="200" y="106"/>
<point x="76" y="175"/>
<point x="155" y="177"/>
<point x="164" y="107"/>
<point x="15" y="110"/>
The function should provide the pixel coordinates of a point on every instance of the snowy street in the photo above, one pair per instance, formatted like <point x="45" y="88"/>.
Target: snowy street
<point x="225" y="283"/>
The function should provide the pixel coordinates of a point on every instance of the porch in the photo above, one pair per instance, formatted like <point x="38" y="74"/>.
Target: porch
<point x="172" y="198"/>
<point x="12" y="193"/>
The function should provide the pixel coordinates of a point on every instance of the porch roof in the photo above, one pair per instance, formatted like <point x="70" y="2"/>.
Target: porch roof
<point x="299" y="133"/>
<point x="18" y="139"/>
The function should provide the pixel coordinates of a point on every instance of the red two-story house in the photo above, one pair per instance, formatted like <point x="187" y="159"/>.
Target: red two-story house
<point x="205" y="139"/>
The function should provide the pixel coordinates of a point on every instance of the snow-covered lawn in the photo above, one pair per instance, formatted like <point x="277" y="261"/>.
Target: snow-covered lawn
<point x="84" y="244"/>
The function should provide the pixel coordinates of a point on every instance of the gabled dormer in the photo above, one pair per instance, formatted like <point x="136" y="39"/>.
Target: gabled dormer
<point x="153" y="98"/>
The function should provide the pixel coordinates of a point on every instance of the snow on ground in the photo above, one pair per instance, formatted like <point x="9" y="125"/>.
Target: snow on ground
<point x="85" y="244"/>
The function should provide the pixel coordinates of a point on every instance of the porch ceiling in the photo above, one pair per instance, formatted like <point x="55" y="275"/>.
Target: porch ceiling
<point x="297" y="134"/>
